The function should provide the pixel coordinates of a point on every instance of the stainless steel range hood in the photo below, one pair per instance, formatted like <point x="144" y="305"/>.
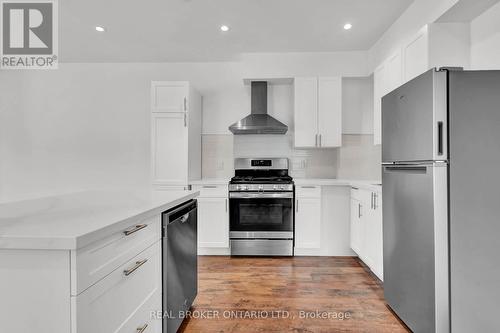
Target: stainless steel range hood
<point x="258" y="122"/>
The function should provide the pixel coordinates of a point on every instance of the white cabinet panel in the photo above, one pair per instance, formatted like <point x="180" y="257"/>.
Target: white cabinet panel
<point x="308" y="223"/>
<point x="306" y="111"/>
<point x="169" y="96"/>
<point x="416" y="56"/>
<point x="213" y="222"/>
<point x="379" y="88"/>
<point x="330" y="112"/>
<point x="169" y="148"/>
<point x="393" y="72"/>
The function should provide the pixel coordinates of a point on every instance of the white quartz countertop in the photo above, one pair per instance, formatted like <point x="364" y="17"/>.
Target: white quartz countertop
<point x="373" y="185"/>
<point x="72" y="221"/>
<point x="210" y="181"/>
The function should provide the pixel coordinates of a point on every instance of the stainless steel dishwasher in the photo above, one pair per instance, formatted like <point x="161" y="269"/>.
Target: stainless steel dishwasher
<point x="180" y="263"/>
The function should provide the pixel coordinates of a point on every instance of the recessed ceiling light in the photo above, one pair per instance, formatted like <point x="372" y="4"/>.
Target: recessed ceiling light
<point x="100" y="29"/>
<point x="224" y="28"/>
<point x="348" y="26"/>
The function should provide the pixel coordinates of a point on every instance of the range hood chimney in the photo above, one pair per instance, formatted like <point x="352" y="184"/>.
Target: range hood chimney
<point x="258" y="122"/>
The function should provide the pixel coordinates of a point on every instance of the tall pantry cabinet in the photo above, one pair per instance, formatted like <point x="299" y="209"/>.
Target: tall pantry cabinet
<point x="176" y="120"/>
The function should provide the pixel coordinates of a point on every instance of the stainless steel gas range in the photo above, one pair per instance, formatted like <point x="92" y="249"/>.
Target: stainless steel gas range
<point x="261" y="208"/>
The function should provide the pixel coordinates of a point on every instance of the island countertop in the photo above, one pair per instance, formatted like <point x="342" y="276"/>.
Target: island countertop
<point x="72" y="221"/>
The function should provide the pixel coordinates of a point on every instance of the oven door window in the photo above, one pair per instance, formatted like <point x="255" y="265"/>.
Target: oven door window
<point x="261" y="214"/>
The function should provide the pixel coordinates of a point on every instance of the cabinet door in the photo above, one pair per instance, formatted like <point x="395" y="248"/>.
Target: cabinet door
<point x="330" y="112"/>
<point x="306" y="111"/>
<point x="169" y="148"/>
<point x="378" y="92"/>
<point x="308" y="223"/>
<point x="416" y="56"/>
<point x="369" y="234"/>
<point x="393" y="72"/>
<point x="356" y="226"/>
<point x="378" y="247"/>
<point x="169" y="96"/>
<point x="213" y="223"/>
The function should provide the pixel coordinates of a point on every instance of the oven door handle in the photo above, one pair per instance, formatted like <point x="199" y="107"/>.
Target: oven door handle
<point x="261" y="195"/>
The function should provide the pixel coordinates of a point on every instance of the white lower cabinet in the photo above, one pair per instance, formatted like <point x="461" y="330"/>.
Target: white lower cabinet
<point x="213" y="222"/>
<point x="123" y="300"/>
<point x="308" y="217"/>
<point x="213" y="216"/>
<point x="366" y="228"/>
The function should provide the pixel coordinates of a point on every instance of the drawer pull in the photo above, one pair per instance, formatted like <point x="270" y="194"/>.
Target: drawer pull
<point x="135" y="229"/>
<point x="138" y="264"/>
<point x="209" y="186"/>
<point x="142" y="329"/>
<point x="308" y="186"/>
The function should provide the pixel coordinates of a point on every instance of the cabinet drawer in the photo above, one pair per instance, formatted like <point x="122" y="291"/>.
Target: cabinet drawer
<point x="120" y="300"/>
<point x="95" y="261"/>
<point x="212" y="191"/>
<point x="308" y="191"/>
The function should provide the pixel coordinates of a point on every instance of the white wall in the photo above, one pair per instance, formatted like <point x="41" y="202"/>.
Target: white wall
<point x="86" y="126"/>
<point x="485" y="40"/>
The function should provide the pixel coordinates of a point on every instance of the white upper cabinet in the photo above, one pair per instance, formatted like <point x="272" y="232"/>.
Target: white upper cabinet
<point x="306" y="111"/>
<point x="435" y="45"/>
<point x="169" y="96"/>
<point x="330" y="111"/>
<point x="169" y="149"/>
<point x="318" y="112"/>
<point x="416" y="55"/>
<point x="175" y="134"/>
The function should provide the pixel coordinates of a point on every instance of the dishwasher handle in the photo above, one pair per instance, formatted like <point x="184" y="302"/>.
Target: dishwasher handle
<point x="180" y="212"/>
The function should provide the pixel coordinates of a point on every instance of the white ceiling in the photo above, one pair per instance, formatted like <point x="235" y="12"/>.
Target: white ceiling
<point x="188" y="30"/>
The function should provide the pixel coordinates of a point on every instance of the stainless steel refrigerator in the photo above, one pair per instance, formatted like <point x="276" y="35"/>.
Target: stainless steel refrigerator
<point x="441" y="190"/>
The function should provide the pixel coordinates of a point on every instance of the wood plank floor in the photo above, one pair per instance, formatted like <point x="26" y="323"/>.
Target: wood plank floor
<point x="288" y="289"/>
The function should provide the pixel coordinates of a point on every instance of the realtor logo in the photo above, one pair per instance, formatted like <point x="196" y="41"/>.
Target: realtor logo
<point x="29" y="34"/>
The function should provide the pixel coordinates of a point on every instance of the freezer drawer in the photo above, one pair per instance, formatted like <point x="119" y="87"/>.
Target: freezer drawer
<point x="414" y="120"/>
<point x="415" y="245"/>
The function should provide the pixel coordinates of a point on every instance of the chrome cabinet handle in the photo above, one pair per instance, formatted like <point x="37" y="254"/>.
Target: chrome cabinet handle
<point x="375" y="197"/>
<point x="226" y="205"/>
<point x="142" y="329"/>
<point x="297" y="206"/>
<point x="134" y="229"/>
<point x="138" y="264"/>
<point x="185" y="104"/>
<point x="371" y="201"/>
<point x="308" y="186"/>
<point x="359" y="210"/>
<point x="316" y="140"/>
<point x="320" y="140"/>
<point x="209" y="186"/>
<point x="185" y="119"/>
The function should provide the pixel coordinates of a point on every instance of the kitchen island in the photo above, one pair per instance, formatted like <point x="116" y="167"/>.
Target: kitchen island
<point x="83" y="262"/>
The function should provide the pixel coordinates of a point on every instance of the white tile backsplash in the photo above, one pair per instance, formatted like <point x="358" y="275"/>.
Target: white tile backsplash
<point x="358" y="158"/>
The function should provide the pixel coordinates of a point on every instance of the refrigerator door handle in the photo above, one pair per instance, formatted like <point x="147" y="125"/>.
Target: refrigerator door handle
<point x="407" y="169"/>
<point x="440" y="138"/>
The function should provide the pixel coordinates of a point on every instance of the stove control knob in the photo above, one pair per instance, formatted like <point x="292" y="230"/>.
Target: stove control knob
<point x="261" y="187"/>
<point x="282" y="187"/>
<point x="244" y="188"/>
<point x="237" y="187"/>
<point x="275" y="187"/>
